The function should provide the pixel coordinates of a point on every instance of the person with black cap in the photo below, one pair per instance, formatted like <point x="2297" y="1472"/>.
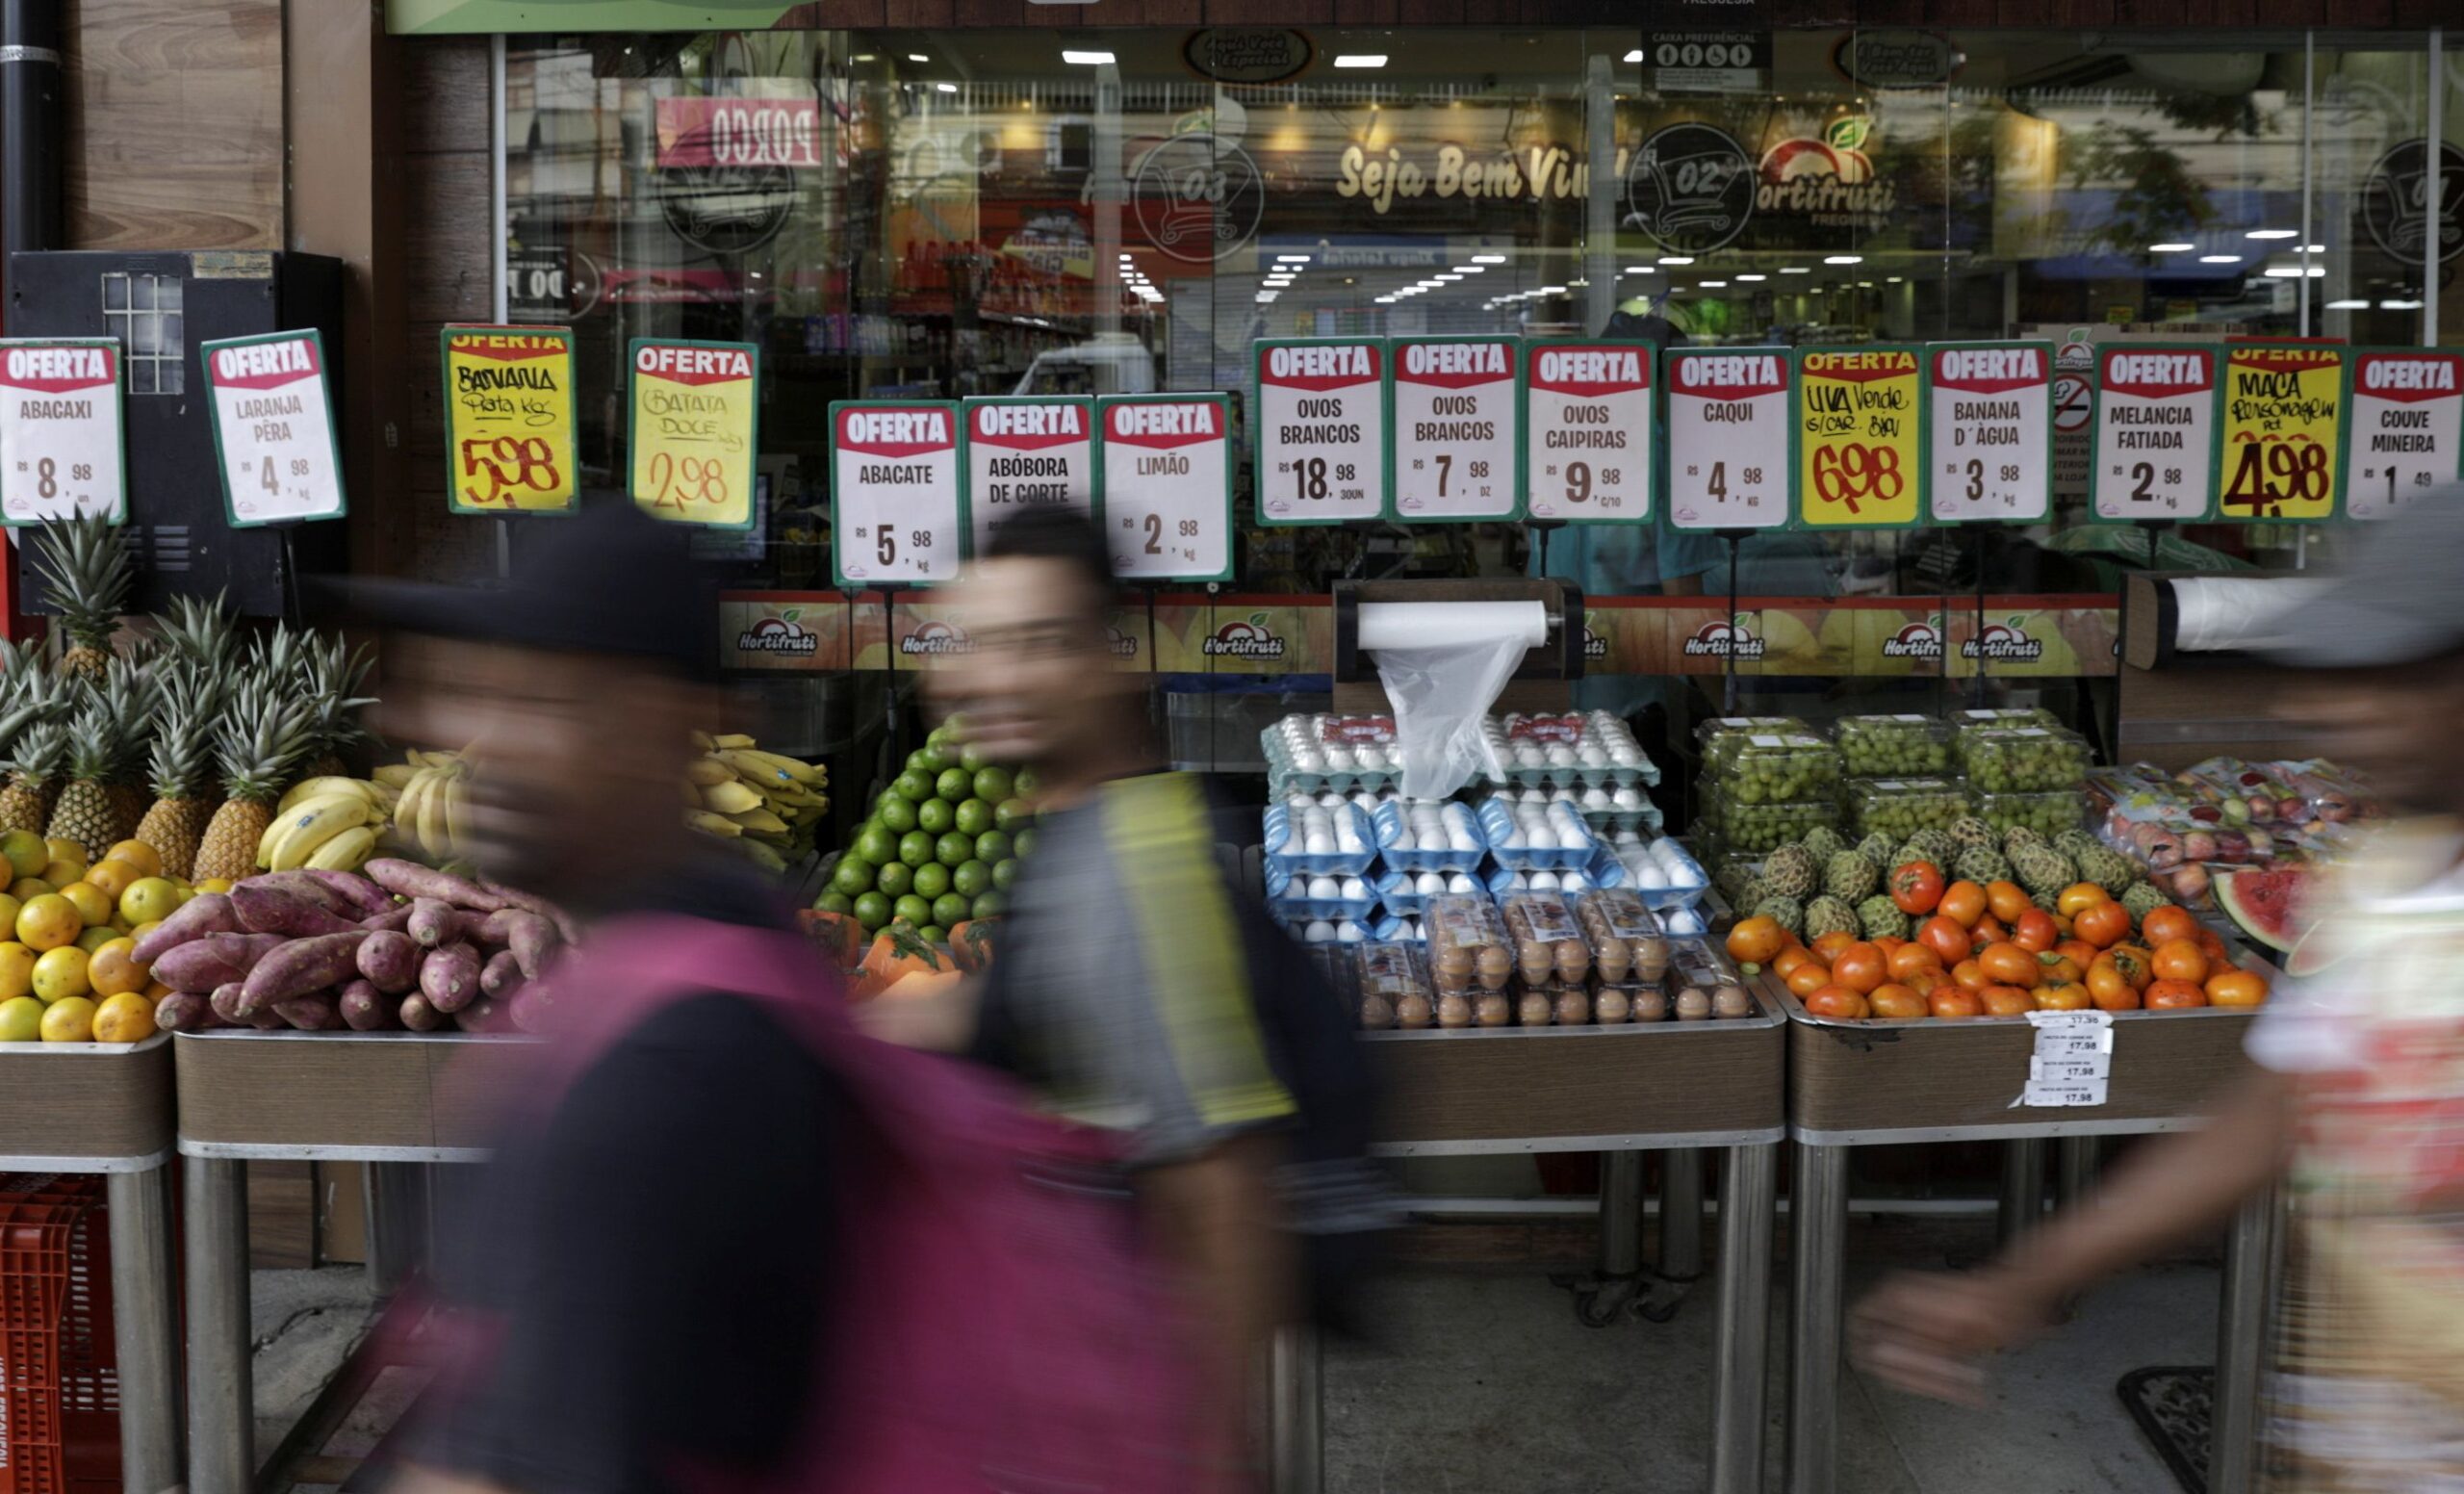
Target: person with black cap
<point x="2359" y="1101"/>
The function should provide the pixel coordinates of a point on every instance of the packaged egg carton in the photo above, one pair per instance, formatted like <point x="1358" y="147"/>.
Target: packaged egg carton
<point x="1556" y="1004"/>
<point x="1302" y="836"/>
<point x="1302" y="896"/>
<point x="1308" y="754"/>
<point x="1663" y="873"/>
<point x="1409" y="892"/>
<point x="1427" y="834"/>
<point x="1690" y="922"/>
<point x="1504" y="880"/>
<point x="1392" y="987"/>
<point x="1628" y="945"/>
<point x="1316" y="932"/>
<point x="1594" y="751"/>
<point x="1549" y="943"/>
<point x="1537" y="837"/>
<point x="1399" y="928"/>
<point x="1468" y="948"/>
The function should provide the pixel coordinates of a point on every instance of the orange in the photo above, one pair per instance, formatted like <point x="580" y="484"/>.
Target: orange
<point x="64" y="849"/>
<point x="1969" y="976"/>
<point x="1911" y="960"/>
<point x="2180" y="960"/>
<point x="1896" y="1003"/>
<point x="125" y="1018"/>
<point x="2110" y="989"/>
<point x="1785" y="964"/>
<point x="113" y="969"/>
<point x="2069" y="997"/>
<point x="1949" y="1003"/>
<point x="2006" y="1001"/>
<point x="70" y="1020"/>
<point x="2171" y="995"/>
<point x="2078" y="897"/>
<point x="2007" y="965"/>
<point x="2164" y="925"/>
<point x="149" y="900"/>
<point x="1754" y="940"/>
<point x="49" y="921"/>
<point x="1827" y="948"/>
<point x="93" y="907"/>
<point x="1861" y="968"/>
<point x="26" y="890"/>
<point x="1807" y="978"/>
<point x="2102" y="924"/>
<point x="98" y="937"/>
<point x="2237" y="988"/>
<point x="17" y="971"/>
<point x="61" y="871"/>
<point x="1838" y="1003"/>
<point x="61" y="973"/>
<point x="111" y="878"/>
<point x="156" y="991"/>
<point x="1946" y="936"/>
<point x="1963" y="903"/>
<point x="147" y="860"/>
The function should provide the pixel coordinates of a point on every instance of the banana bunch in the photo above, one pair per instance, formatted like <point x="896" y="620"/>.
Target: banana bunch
<point x="428" y="820"/>
<point x="766" y="805"/>
<point x="329" y="824"/>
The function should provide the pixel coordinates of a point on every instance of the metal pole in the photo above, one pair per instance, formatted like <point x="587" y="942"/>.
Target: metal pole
<point x="2022" y="1188"/>
<point x="396" y="1195"/>
<point x="1600" y="201"/>
<point x="1106" y="188"/>
<point x="1621" y="1213"/>
<point x="222" y="1429"/>
<point x="1818" y="1235"/>
<point x="1681" y="1213"/>
<point x="30" y="134"/>
<point x="1741" y="1342"/>
<point x="2432" y="162"/>
<point x="1298" y="1411"/>
<point x="2242" y="1341"/>
<point x="2309" y="115"/>
<point x="2075" y="1160"/>
<point x="145" y="1327"/>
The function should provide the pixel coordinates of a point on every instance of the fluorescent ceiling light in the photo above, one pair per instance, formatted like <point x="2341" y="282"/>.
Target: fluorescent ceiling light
<point x="2295" y="273"/>
<point x="1713" y="285"/>
<point x="1639" y="270"/>
<point x="1450" y="279"/>
<point x="1488" y="259"/>
<point x="1085" y="59"/>
<point x="1864" y="285"/>
<point x="1385" y="300"/>
<point x="1677" y="259"/>
<point x="2314" y="249"/>
<point x="2400" y="305"/>
<point x="2171" y="248"/>
<point x="1551" y="290"/>
<point x="1794" y="270"/>
<point x="1754" y="277"/>
<point x="2348" y="306"/>
<point x="917" y="57"/>
<point x="2219" y="258"/>
<point x="2272" y="233"/>
<point x="1292" y="259"/>
<point x="1471" y="269"/>
<point x="1893" y="279"/>
<point x="1843" y="259"/>
<point x="1634" y="55"/>
<point x="1360" y="60"/>
<point x="946" y="88"/>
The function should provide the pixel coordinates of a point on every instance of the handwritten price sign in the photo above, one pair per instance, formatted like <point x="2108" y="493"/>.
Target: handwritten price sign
<point x="1858" y="439"/>
<point x="273" y="428"/>
<point x="510" y="446"/>
<point x="61" y="450"/>
<point x="696" y="424"/>
<point x="2284" y="406"/>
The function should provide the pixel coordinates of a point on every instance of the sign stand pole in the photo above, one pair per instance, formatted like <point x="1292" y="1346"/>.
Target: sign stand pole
<point x="891" y="731"/>
<point x="1977" y="534"/>
<point x="1544" y="527"/>
<point x="291" y="599"/>
<point x="1728" y="692"/>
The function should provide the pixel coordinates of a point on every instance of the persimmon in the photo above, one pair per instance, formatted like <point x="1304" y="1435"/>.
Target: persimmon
<point x="2217" y="953"/>
<point x="1807" y="978"/>
<point x="2008" y="900"/>
<point x="2078" y="897"/>
<point x="2180" y="960"/>
<point x="1963" y="903"/>
<point x="2135" y="963"/>
<point x="1888" y="944"/>
<point x="1896" y="1003"/>
<point x="1949" y="1003"/>
<point x="1946" y="936"/>
<point x="1861" y="968"/>
<point x="2055" y="969"/>
<point x="2237" y="988"/>
<point x="1909" y="960"/>
<point x="1827" y="948"/>
<point x="2164" y="925"/>
<point x="2173" y="995"/>
<point x="1755" y="940"/>
<point x="1989" y="930"/>
<point x="2078" y="949"/>
<point x="2007" y="965"/>
<point x="2035" y="932"/>
<point x="2069" y="997"/>
<point x="1785" y="964"/>
<point x="1971" y="976"/>
<point x="2006" y="1001"/>
<point x="2110" y="989"/>
<point x="2102" y="924"/>
<point x="2062" y="924"/>
<point x="1916" y="886"/>
<point x="1838" y="1003"/>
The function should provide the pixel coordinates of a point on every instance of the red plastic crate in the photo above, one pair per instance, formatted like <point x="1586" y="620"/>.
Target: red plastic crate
<point x="59" y="1378"/>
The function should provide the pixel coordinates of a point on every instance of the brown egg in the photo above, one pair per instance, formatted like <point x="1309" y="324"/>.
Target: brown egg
<point x="1494" y="1010"/>
<point x="1454" y="1012"/>
<point x="1611" y="1005"/>
<point x="1453" y="968"/>
<point x="1650" y="1004"/>
<point x="1495" y="966"/>
<point x="1376" y="1013"/>
<point x="1730" y="1001"/>
<point x="1412" y="1011"/>
<point x="1574" y="961"/>
<point x="1651" y="958"/>
<point x="1693" y="1004"/>
<point x="1573" y="1009"/>
<point x="1616" y="963"/>
<point x="1533" y="1010"/>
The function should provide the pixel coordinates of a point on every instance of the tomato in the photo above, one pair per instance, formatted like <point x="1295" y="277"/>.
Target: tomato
<point x="1861" y="968"/>
<point x="2164" y="925"/>
<point x="1946" y="936"/>
<point x="1838" y="1003"/>
<point x="2103" y="924"/>
<point x="2006" y="1001"/>
<point x="2055" y="969"/>
<point x="2007" y="965"/>
<point x="1755" y="940"/>
<point x="1949" y="1003"/>
<point x="1785" y="964"/>
<point x="1827" y="948"/>
<point x="1989" y="930"/>
<point x="2078" y="897"/>
<point x="1807" y="978"/>
<point x="2035" y="930"/>
<point x="2078" y="949"/>
<point x="2069" y="997"/>
<point x="1912" y="960"/>
<point x="2110" y="989"/>
<point x="2062" y="923"/>
<point x="2217" y="953"/>
<point x="1888" y="945"/>
<point x="2181" y="960"/>
<point x="2135" y="963"/>
<point x="1896" y="1003"/>
<point x="2237" y="988"/>
<point x="1916" y="886"/>
<point x="2166" y="995"/>
<point x="1971" y="975"/>
<point x="1963" y="903"/>
<point x="2007" y="899"/>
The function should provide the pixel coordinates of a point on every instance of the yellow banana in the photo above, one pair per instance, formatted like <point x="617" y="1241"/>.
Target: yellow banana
<point x="344" y="852"/>
<point x="312" y="823"/>
<point x="454" y="805"/>
<point x="767" y="767"/>
<point x="708" y="772"/>
<point x="265" y="842"/>
<point x="730" y="739"/>
<point x="308" y="789"/>
<point x="711" y="824"/>
<point x="395" y="775"/>
<point x="761" y="819"/>
<point x="702" y="741"/>
<point x="729" y="798"/>
<point x="406" y="811"/>
<point x="432" y="822"/>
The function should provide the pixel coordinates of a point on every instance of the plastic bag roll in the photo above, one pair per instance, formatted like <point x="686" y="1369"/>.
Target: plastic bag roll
<point x="2214" y="614"/>
<point x="1438" y="625"/>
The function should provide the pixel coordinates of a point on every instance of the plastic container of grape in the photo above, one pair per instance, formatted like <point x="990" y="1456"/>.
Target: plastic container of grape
<point x="1942" y="799"/>
<point x="1764" y="826"/>
<point x="2027" y="759"/>
<point x="1896" y="746"/>
<point x="2049" y="812"/>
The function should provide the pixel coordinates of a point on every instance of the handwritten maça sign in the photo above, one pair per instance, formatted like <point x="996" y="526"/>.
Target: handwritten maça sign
<point x="273" y="428"/>
<point x="896" y="509"/>
<point x="1729" y="438"/>
<point x="2154" y="451"/>
<point x="1458" y="419"/>
<point x="695" y="430"/>
<point x="2284" y="405"/>
<point x="1587" y="431"/>
<point x="2405" y="434"/>
<point x="1989" y="432"/>
<point x="510" y="445"/>
<point x="63" y="453"/>
<point x="1858" y="446"/>
<point x="1167" y="485"/>
<point x="1028" y="452"/>
<point x="1320" y="426"/>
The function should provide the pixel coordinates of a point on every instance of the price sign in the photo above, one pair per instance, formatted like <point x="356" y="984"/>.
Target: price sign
<point x="697" y="422"/>
<point x="1729" y="438"/>
<point x="1989" y="432"/>
<point x="1027" y="453"/>
<point x="2284" y="406"/>
<point x="1458" y="417"/>
<point x="896" y="512"/>
<point x="61" y="449"/>
<point x="510" y="446"/>
<point x="1167" y="485"/>
<point x="2406" y="432"/>
<point x="1858" y="452"/>
<point x="2154" y="456"/>
<point x="273" y="428"/>
<point x="1587" y="433"/>
<point x="1320" y="426"/>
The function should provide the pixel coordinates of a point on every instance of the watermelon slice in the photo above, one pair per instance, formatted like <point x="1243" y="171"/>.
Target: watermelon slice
<point x="2316" y="952"/>
<point x="2262" y="905"/>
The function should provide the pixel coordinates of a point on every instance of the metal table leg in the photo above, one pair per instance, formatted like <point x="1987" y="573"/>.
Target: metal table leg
<point x="1741" y="1344"/>
<point x="1298" y="1411"/>
<point x="145" y="1321"/>
<point x="2022" y="1188"/>
<point x="2076" y="1160"/>
<point x="396" y="1194"/>
<point x="1621" y="1213"/>
<point x="2252" y="1254"/>
<point x="1681" y="1213"/>
<point x="1819" y="1220"/>
<point x="221" y="1390"/>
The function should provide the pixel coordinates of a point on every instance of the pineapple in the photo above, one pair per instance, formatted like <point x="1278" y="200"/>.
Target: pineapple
<point x="34" y="777"/>
<point x="85" y="812"/>
<point x="86" y="573"/>
<point x="133" y="692"/>
<point x="259" y="741"/>
<point x="181" y="762"/>
<point x="328" y="678"/>
<point x="197" y="632"/>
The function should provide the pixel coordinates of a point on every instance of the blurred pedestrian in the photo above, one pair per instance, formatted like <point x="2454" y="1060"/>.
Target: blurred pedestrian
<point x="2361" y="1091"/>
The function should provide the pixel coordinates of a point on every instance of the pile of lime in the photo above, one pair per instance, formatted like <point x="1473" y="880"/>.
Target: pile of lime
<point x="941" y="845"/>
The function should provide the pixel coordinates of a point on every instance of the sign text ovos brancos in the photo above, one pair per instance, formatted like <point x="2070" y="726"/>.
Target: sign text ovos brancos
<point x="1457" y="360"/>
<point x="1330" y="362"/>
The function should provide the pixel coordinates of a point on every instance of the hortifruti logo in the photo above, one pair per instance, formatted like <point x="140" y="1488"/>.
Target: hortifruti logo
<point x="1724" y="639"/>
<point x="1915" y="640"/>
<point x="785" y="634"/>
<point x="936" y="639"/>
<point x="1595" y="643"/>
<point x="2009" y="642"/>
<point x="1122" y="643"/>
<point x="1252" y="637"/>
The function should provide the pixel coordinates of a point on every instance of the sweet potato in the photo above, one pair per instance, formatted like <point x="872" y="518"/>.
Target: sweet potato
<point x="300" y="966"/>
<point x="501" y="976"/>
<point x="312" y="1013"/>
<point x="532" y="902"/>
<point x="224" y="1003"/>
<point x="269" y="910"/>
<point x="203" y="964"/>
<point x="532" y="1007"/>
<point x="185" y="1011"/>
<point x="434" y="923"/>
<point x="206" y="912"/>
<point x="420" y="1017"/>
<point x="305" y="887"/>
<point x="484" y="1016"/>
<point x="390" y="961"/>
<point x="355" y="890"/>
<point x="365" y="1009"/>
<point x="413" y="879"/>
<point x="396" y="917"/>
<point x="531" y="939"/>
<point x="449" y="977"/>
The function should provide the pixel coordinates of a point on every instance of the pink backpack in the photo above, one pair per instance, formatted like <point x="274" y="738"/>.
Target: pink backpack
<point x="998" y="1327"/>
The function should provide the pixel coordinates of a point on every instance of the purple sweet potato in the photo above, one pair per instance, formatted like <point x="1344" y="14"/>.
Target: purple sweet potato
<point x="366" y="1009"/>
<point x="355" y="890"/>
<point x="484" y="1016"/>
<point x="396" y="917"/>
<point x="434" y="924"/>
<point x="501" y="976"/>
<point x="203" y="964"/>
<point x="300" y="966"/>
<point x="532" y="1007"/>
<point x="449" y="977"/>
<point x="390" y="961"/>
<point x="420" y="1017"/>
<point x="532" y="902"/>
<point x="305" y="887"/>
<point x="206" y="912"/>
<point x="312" y="1013"/>
<point x="413" y="879"/>
<point x="531" y="937"/>
<point x="185" y="1011"/>
<point x="226" y="1004"/>
<point x="268" y="910"/>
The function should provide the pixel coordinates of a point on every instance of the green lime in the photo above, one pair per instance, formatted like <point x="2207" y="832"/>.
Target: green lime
<point x="913" y="908"/>
<point x="954" y="849"/>
<point x="974" y="817"/>
<point x="1004" y="873"/>
<point x="1025" y="784"/>
<point x="932" y="880"/>
<point x="993" y="784"/>
<point x="1011" y="814"/>
<point x="854" y="875"/>
<point x="895" y="878"/>
<point x="992" y="847"/>
<point x="915" y="848"/>
<point x="991" y="905"/>
<point x="955" y="784"/>
<point x="896" y="814"/>
<point x="1024" y="842"/>
<point x="950" y="907"/>
<point x="971" y="878"/>
<point x="938" y="737"/>
<point x="872" y="910"/>
<point x="837" y="902"/>
<point x="877" y="845"/>
<point x="933" y="934"/>
<point x="936" y="759"/>
<point x="935" y="816"/>
<point x="914" y="785"/>
<point x="917" y="763"/>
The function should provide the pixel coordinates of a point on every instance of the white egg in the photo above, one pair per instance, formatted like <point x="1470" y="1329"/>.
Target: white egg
<point x="1338" y="760"/>
<point x="1572" y="882"/>
<point x="1650" y="877"/>
<point x="1370" y="758"/>
<point x="1540" y="837"/>
<point x="1529" y="756"/>
<point x="1436" y="840"/>
<point x="1544" y="882"/>
<point x="1330" y="798"/>
<point x="1319" y="932"/>
<point x="1596" y="799"/>
<point x="1627" y="799"/>
<point x="1354" y="890"/>
<point x="1318" y="843"/>
<point x="1562" y="797"/>
<point x="1518" y="882"/>
<point x="1560" y="756"/>
<point x="1365" y="800"/>
<point x="1462" y="841"/>
<point x="1629" y="837"/>
<point x="1461" y="882"/>
<point x="1591" y="756"/>
<point x="1415" y="929"/>
<point x="1515" y="839"/>
<point x="1429" y="884"/>
<point x="1532" y="796"/>
<point x="1349" y="933"/>
<point x="1325" y="886"/>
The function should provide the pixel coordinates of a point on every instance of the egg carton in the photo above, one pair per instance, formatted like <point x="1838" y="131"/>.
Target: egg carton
<point x="1400" y="846"/>
<point x="1407" y="891"/>
<point x="1319" y="933"/>
<point x="1498" y="823"/>
<point x="1307" y="895"/>
<point x="1688" y="881"/>
<point x="1286" y="846"/>
<point x="1502" y="880"/>
<point x="1285" y="781"/>
<point x="1396" y="928"/>
<point x="1685" y="921"/>
<point x="1593" y="751"/>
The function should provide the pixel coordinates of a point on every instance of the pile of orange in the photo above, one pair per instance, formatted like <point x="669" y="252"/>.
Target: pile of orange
<point x="1988" y="951"/>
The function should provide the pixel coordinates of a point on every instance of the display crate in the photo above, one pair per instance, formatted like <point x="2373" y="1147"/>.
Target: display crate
<point x="59" y="1381"/>
<point x="387" y="1096"/>
<point x="98" y="1107"/>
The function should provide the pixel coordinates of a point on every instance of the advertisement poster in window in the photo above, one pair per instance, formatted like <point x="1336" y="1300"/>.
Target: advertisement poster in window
<point x="1321" y="421"/>
<point x="2405" y="434"/>
<point x="1028" y="452"/>
<point x="1989" y="432"/>
<point x="897" y="497"/>
<point x="2155" y="433"/>
<point x="1731" y="438"/>
<point x="697" y="416"/>
<point x="1588" y="426"/>
<point x="1459" y="436"/>
<point x="510" y="443"/>
<point x="1859" y="413"/>
<point x="2284" y="413"/>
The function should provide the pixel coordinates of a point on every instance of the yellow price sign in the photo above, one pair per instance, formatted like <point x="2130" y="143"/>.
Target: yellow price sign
<point x="696" y="427"/>
<point x="2284" y="409"/>
<point x="1858" y="437"/>
<point x="509" y="441"/>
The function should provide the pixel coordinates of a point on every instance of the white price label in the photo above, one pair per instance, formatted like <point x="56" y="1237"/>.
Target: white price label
<point x="1322" y="430"/>
<point x="1727" y="438"/>
<point x="1458" y="417"/>
<point x="273" y="428"/>
<point x="2405" y="434"/>
<point x="61" y="448"/>
<point x="1588" y="432"/>
<point x="2154" y="451"/>
<point x="2072" y="1060"/>
<point x="894" y="501"/>
<point x="1029" y="453"/>
<point x="1167" y="486"/>
<point x="1990" y="431"/>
